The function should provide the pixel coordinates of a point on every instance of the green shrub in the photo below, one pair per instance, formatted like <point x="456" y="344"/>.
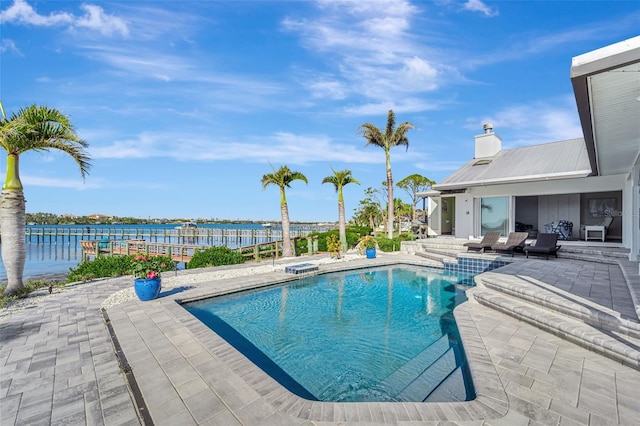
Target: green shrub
<point x="353" y="235"/>
<point x="392" y="244"/>
<point x="109" y="266"/>
<point x="215" y="256"/>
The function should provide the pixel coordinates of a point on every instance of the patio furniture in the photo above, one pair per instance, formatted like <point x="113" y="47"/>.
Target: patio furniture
<point x="546" y="244"/>
<point x="515" y="242"/>
<point x="489" y="239"/>
<point x="563" y="228"/>
<point x="601" y="229"/>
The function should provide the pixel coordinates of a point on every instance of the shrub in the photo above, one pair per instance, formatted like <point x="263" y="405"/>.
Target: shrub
<point x="110" y="266"/>
<point x="215" y="256"/>
<point x="334" y="246"/>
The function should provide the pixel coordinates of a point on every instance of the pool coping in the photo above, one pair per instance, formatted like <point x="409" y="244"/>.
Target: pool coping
<point x="203" y="378"/>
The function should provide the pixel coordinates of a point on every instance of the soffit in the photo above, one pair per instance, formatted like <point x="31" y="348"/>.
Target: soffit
<point x="615" y="105"/>
<point x="606" y="84"/>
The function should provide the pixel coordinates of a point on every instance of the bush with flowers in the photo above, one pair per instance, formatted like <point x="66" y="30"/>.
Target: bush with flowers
<point x="150" y="267"/>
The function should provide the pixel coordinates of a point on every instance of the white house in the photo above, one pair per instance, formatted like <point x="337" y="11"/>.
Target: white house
<point x="592" y="182"/>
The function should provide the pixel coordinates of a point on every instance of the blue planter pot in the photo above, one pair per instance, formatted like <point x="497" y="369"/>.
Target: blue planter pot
<point x="371" y="253"/>
<point x="147" y="288"/>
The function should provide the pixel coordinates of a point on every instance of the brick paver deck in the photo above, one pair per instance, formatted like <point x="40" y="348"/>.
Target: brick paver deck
<point x="58" y="364"/>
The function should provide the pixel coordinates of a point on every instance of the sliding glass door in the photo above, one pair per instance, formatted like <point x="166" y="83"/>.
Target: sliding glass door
<point x="494" y="215"/>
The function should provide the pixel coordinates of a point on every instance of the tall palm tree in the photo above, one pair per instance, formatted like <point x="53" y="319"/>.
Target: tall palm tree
<point x="339" y="180"/>
<point x="391" y="137"/>
<point x="282" y="178"/>
<point x="34" y="128"/>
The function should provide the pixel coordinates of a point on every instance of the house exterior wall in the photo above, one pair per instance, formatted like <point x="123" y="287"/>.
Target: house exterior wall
<point x="557" y="200"/>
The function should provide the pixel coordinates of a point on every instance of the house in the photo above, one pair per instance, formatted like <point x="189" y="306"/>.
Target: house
<point x="580" y="184"/>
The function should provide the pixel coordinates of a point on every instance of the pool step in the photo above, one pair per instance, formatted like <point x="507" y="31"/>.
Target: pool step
<point x="301" y="268"/>
<point x="431" y="375"/>
<point x="588" y="325"/>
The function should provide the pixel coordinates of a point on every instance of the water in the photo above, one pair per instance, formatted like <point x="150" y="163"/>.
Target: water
<point x="383" y="334"/>
<point x="58" y="256"/>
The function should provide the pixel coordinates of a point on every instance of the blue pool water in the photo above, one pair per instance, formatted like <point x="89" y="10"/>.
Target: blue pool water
<point x="383" y="334"/>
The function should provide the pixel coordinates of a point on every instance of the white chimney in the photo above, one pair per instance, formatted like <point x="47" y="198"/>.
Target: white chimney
<point x="487" y="144"/>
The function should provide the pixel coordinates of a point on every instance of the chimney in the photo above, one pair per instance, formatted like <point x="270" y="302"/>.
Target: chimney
<point x="488" y="144"/>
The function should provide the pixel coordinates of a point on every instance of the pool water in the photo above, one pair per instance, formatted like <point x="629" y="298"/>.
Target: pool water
<point x="382" y="334"/>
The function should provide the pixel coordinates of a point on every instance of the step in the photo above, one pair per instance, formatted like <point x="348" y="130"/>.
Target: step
<point x="438" y="256"/>
<point x="402" y="377"/>
<point x="562" y="302"/>
<point x="611" y="344"/>
<point x="301" y="268"/>
<point x="452" y="253"/>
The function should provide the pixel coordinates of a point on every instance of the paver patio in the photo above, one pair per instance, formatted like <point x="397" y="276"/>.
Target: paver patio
<point x="59" y="365"/>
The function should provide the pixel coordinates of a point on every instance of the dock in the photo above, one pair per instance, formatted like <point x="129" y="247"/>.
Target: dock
<point x="178" y="252"/>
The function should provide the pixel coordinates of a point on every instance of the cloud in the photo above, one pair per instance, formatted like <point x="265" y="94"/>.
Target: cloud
<point x="479" y="6"/>
<point x="7" y="45"/>
<point x="278" y="147"/>
<point x="376" y="53"/>
<point x="540" y="122"/>
<point x="94" y="18"/>
<point x="47" y="182"/>
<point x="22" y="13"/>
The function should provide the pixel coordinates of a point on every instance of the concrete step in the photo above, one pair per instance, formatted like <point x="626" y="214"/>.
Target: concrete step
<point x="608" y="344"/>
<point x="562" y="302"/>
<point x="436" y="259"/>
<point x="440" y="255"/>
<point x="568" y="316"/>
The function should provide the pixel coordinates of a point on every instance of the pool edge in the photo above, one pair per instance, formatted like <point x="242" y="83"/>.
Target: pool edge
<point x="169" y="348"/>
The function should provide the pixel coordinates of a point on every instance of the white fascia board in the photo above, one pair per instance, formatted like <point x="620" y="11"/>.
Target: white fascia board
<point x="608" y="57"/>
<point x="532" y="178"/>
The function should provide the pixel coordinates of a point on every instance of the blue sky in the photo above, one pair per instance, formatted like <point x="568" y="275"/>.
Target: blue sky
<point x="186" y="104"/>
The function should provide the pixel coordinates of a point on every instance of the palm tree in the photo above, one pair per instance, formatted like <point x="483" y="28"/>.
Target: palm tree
<point x="391" y="137"/>
<point x="339" y="180"/>
<point x="35" y="128"/>
<point x="282" y="178"/>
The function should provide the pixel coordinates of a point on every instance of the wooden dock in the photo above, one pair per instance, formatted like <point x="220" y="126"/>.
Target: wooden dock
<point x="198" y="236"/>
<point x="179" y="252"/>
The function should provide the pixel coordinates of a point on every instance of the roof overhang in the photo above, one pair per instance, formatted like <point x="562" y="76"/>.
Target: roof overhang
<point x="606" y="85"/>
<point x="430" y="193"/>
<point x="512" y="180"/>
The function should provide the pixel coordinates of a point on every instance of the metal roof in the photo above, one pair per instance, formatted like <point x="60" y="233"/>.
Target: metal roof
<point x="606" y="84"/>
<point x="555" y="160"/>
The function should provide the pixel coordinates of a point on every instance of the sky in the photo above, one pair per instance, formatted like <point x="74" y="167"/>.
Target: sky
<point x="185" y="105"/>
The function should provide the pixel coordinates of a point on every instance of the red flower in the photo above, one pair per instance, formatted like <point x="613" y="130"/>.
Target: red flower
<point x="152" y="274"/>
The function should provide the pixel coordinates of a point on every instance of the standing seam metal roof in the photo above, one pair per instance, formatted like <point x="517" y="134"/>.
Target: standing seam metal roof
<point x="555" y="160"/>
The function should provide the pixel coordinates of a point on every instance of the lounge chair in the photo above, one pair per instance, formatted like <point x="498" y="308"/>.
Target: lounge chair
<point x="515" y="242"/>
<point x="546" y="244"/>
<point x="489" y="239"/>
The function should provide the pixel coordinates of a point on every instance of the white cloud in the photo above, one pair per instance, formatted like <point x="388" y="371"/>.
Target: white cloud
<point x="94" y="18"/>
<point x="278" y="147"/>
<point x="20" y="12"/>
<point x="9" y="46"/>
<point x="479" y="6"/>
<point x="376" y="52"/>
<point x="540" y="122"/>
<point x="78" y="183"/>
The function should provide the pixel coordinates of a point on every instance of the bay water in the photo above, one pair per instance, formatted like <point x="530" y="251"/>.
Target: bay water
<point x="54" y="257"/>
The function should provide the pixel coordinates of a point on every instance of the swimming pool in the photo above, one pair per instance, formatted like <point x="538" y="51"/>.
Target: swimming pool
<point x="381" y="334"/>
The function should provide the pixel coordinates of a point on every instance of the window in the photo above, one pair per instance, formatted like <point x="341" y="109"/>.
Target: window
<point x="494" y="215"/>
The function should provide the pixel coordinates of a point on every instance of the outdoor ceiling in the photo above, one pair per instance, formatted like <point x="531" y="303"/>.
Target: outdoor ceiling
<point x="607" y="89"/>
